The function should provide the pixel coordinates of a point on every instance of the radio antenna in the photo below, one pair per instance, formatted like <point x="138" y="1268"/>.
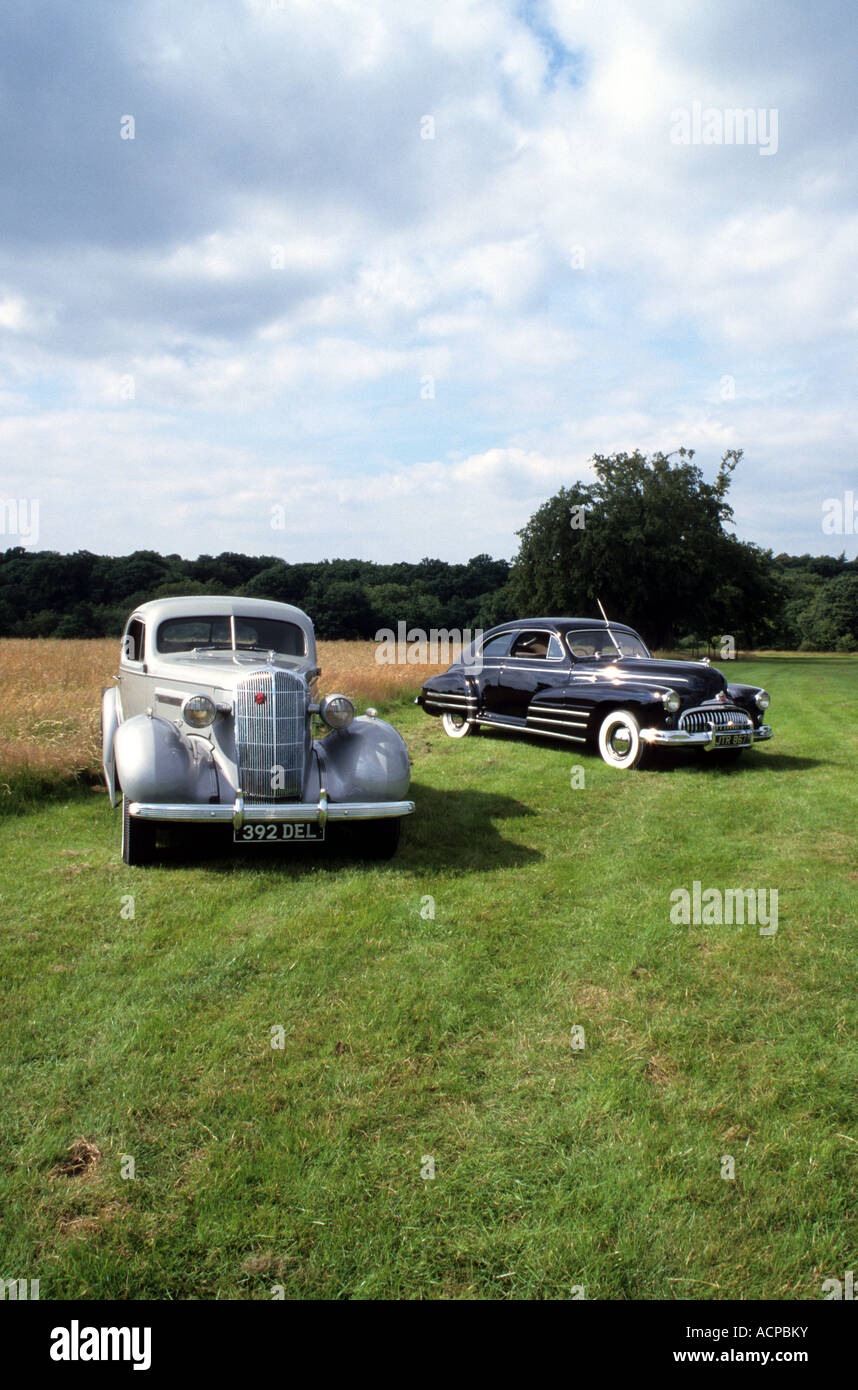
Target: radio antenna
<point x="610" y="634"/>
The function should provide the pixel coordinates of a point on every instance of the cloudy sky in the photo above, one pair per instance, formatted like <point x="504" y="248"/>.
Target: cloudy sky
<point x="390" y="273"/>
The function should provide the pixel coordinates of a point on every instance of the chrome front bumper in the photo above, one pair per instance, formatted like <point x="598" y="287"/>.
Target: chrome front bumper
<point x="240" y="813"/>
<point x="706" y="739"/>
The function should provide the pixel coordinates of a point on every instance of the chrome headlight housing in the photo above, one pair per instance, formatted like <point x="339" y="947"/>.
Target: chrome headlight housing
<point x="199" y="711"/>
<point x="671" y="701"/>
<point x="337" y="711"/>
<point x="762" y="699"/>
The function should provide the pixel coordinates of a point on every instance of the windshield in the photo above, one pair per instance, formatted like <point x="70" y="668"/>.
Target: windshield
<point x="251" y="634"/>
<point x="596" y="645"/>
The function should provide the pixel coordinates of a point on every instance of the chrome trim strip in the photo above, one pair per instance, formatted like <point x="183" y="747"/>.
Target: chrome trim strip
<point x="528" y="729"/>
<point x="549" y="733"/>
<point x="561" y="723"/>
<point x="223" y="814"/>
<point x="518" y="664"/>
<point x="560" y="709"/>
<point x="443" y="705"/>
<point x="576" y="709"/>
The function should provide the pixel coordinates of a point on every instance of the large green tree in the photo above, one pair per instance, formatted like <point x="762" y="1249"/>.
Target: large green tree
<point x="648" y="538"/>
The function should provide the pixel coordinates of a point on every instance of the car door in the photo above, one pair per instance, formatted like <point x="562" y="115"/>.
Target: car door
<point x="490" y="666"/>
<point x="134" y="686"/>
<point x="536" y="662"/>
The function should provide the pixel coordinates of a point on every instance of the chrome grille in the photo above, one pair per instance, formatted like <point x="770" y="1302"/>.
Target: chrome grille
<point x="271" y="735"/>
<point x="697" y="721"/>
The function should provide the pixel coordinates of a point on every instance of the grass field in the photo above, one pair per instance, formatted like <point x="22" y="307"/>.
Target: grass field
<point x="427" y="1009"/>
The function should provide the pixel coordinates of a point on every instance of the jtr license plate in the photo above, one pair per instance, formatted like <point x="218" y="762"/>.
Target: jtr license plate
<point x="732" y="740"/>
<point x="267" y="832"/>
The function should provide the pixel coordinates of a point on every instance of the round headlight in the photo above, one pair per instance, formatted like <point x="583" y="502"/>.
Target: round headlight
<point x="763" y="699"/>
<point x="337" y="711"/>
<point x="199" y="711"/>
<point x="671" y="701"/>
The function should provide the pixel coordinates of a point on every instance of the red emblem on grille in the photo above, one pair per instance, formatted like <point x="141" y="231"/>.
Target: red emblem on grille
<point x="259" y="697"/>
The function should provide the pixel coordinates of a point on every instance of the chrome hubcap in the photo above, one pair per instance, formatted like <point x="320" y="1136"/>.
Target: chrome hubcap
<point x="621" y="741"/>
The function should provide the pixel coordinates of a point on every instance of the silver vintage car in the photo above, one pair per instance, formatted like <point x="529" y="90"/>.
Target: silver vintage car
<point x="211" y="723"/>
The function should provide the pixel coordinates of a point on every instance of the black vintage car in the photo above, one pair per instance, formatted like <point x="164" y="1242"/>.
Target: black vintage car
<point x="588" y="681"/>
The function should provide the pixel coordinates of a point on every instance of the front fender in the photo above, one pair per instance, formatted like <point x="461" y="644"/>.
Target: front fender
<point x="111" y="718"/>
<point x="368" y="761"/>
<point x="156" y="762"/>
<point x="602" y="697"/>
<point x="743" y="694"/>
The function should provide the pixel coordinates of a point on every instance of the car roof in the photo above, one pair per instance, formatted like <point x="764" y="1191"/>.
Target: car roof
<point x="205" y="605"/>
<point x="226" y="605"/>
<point x="558" y="624"/>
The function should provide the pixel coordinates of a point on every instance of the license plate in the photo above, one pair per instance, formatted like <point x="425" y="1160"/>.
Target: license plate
<point x="732" y="740"/>
<point x="260" y="832"/>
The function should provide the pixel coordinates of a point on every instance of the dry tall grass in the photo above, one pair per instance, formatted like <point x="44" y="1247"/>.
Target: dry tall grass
<point x="50" y="697"/>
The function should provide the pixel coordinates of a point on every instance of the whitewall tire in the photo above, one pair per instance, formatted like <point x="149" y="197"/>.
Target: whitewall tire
<point x="620" y="742"/>
<point x="457" y="726"/>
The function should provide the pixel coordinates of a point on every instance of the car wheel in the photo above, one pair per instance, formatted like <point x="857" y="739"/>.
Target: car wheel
<point x="138" y="838"/>
<point x="457" y="726"/>
<point x="378" y="839"/>
<point x="620" y="742"/>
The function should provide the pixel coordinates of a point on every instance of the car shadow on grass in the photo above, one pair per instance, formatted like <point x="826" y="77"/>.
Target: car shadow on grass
<point x="669" y="760"/>
<point x="755" y="761"/>
<point x="449" y="830"/>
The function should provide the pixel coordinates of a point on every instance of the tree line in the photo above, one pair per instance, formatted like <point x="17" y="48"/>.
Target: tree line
<point x="647" y="537"/>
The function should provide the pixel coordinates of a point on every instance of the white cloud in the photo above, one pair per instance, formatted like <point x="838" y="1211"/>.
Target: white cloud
<point x="278" y="261"/>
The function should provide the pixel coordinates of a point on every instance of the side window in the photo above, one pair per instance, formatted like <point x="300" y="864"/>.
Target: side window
<point x="132" y="642"/>
<point x="496" y="646"/>
<point x="531" y="645"/>
<point x="555" y="648"/>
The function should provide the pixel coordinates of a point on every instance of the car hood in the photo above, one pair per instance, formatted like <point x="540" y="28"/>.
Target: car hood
<point x="692" y="678"/>
<point x="225" y="669"/>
